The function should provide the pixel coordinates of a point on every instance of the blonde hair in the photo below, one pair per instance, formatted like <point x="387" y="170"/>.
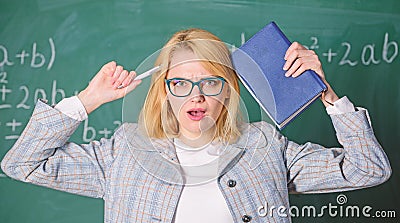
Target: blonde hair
<point x="157" y="117"/>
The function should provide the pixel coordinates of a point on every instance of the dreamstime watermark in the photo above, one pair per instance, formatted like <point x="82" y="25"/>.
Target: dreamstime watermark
<point x="340" y="209"/>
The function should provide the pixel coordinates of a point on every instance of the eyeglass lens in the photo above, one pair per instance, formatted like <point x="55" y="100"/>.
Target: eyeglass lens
<point x="208" y="86"/>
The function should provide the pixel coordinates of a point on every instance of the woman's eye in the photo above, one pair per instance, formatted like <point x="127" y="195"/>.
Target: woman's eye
<point x="211" y="82"/>
<point x="179" y="83"/>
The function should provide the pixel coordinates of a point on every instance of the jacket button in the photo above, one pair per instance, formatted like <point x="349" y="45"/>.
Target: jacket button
<point x="231" y="183"/>
<point x="246" y="218"/>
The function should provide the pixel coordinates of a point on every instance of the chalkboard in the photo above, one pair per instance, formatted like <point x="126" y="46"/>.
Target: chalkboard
<point x="51" y="49"/>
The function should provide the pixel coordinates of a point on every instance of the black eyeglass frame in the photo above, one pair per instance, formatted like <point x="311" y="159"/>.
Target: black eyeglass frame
<point x="197" y="83"/>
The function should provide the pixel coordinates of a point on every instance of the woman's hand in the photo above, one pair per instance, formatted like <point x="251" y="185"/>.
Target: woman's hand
<point x="104" y="87"/>
<point x="299" y="59"/>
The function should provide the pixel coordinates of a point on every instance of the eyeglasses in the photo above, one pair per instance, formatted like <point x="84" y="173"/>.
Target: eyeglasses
<point x="180" y="87"/>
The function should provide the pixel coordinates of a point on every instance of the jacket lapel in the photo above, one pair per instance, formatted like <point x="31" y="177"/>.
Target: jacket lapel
<point x="251" y="141"/>
<point x="155" y="156"/>
<point x="158" y="156"/>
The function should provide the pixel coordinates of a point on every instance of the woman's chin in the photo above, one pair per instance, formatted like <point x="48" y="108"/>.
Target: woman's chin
<point x="196" y="129"/>
<point x="199" y="131"/>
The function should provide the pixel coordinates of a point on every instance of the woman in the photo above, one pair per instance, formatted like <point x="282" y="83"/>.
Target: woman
<point x="190" y="158"/>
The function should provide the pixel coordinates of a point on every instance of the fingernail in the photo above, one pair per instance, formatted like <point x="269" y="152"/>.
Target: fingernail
<point x="287" y="74"/>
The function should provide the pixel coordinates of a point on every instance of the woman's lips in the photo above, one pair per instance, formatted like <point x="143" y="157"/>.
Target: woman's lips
<point x="196" y="114"/>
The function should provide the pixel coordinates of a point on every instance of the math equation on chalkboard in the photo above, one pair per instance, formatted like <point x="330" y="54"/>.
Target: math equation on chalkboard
<point x="15" y="98"/>
<point x="32" y="57"/>
<point x="385" y="51"/>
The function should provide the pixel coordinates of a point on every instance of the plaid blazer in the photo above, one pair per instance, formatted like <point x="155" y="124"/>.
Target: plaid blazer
<point x="140" y="179"/>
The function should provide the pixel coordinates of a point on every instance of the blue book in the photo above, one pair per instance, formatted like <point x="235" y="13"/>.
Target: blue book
<point x="259" y="64"/>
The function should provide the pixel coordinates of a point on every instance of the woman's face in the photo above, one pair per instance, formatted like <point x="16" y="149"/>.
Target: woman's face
<point x="196" y="113"/>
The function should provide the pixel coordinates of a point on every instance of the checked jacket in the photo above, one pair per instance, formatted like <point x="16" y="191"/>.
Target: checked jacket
<point x="140" y="179"/>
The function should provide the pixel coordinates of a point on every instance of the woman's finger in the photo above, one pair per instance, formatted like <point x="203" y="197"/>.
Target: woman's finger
<point x="133" y="85"/>
<point x="305" y="63"/>
<point x="124" y="91"/>
<point x="108" y="69"/>
<point x="120" y="79"/>
<point x="117" y="73"/>
<point x="303" y="67"/>
<point x="294" y="46"/>
<point x="128" y="80"/>
<point x="297" y="63"/>
<point x="296" y="54"/>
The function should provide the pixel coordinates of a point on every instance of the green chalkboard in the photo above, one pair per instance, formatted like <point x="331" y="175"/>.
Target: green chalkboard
<point x="52" y="48"/>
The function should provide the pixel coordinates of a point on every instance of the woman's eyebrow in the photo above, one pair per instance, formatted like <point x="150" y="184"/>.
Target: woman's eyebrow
<point x="192" y="77"/>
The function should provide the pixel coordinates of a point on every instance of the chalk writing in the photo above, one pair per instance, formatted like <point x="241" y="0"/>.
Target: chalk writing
<point x="90" y="133"/>
<point x="13" y="126"/>
<point x="25" y="91"/>
<point x="3" y="77"/>
<point x="37" y="59"/>
<point x="4" y="91"/>
<point x="369" y="54"/>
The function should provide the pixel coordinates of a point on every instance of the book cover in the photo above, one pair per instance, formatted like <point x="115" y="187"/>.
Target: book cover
<point x="259" y="64"/>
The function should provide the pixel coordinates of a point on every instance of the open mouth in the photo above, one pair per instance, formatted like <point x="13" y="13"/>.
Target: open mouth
<point x="196" y="114"/>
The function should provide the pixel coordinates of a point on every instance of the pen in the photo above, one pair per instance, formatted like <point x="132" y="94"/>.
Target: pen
<point x="144" y="75"/>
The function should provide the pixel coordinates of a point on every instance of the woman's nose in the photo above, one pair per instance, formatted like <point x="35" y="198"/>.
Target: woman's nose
<point x="196" y="95"/>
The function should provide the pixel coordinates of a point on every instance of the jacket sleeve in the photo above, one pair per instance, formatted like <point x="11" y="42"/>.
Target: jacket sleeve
<point x="360" y="163"/>
<point x="43" y="156"/>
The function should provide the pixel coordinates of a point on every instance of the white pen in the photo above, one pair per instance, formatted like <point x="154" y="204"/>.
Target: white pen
<point x="144" y="75"/>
